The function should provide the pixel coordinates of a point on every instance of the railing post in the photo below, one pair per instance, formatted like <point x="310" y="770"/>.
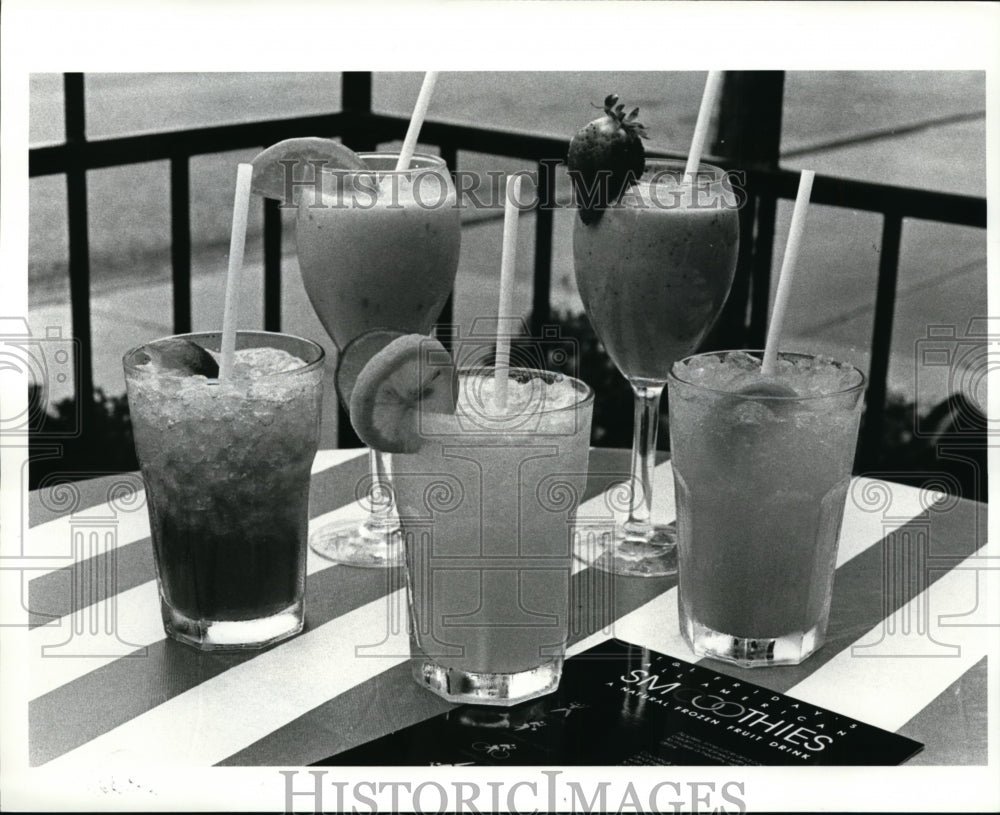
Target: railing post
<point x="749" y="123"/>
<point x="180" y="241"/>
<point x="447" y="317"/>
<point x="870" y="442"/>
<point x="356" y="102"/>
<point x="748" y="135"/>
<point x="272" y="265"/>
<point x="79" y="247"/>
<point x="541" y="304"/>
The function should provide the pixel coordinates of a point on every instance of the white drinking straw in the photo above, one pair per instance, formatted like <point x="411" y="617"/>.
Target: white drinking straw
<point x="416" y="121"/>
<point x="508" y="258"/>
<point x="787" y="272"/>
<point x="237" y="243"/>
<point x="713" y="85"/>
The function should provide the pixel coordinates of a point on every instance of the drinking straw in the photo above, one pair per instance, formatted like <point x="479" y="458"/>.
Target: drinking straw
<point x="708" y="98"/>
<point x="508" y="257"/>
<point x="787" y="272"/>
<point x="237" y="243"/>
<point x="416" y="121"/>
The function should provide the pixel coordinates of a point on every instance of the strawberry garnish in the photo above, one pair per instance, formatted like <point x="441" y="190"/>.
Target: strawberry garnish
<point x="605" y="157"/>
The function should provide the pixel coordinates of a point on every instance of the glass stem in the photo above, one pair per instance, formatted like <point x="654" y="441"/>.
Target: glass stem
<point x="383" y="516"/>
<point x="647" y="422"/>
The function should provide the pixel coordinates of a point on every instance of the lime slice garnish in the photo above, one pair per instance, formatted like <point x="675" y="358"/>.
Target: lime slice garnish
<point x="181" y="357"/>
<point x="355" y="356"/>
<point x="269" y="173"/>
<point x="412" y="376"/>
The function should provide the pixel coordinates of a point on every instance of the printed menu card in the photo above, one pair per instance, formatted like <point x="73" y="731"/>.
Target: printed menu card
<point x="622" y="704"/>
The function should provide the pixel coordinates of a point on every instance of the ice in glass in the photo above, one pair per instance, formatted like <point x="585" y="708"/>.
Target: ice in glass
<point x="761" y="468"/>
<point x="226" y="468"/>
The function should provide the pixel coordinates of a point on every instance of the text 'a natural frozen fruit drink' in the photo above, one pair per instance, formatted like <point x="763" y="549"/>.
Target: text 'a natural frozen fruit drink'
<point x="226" y="467"/>
<point x="762" y="467"/>
<point x="487" y="505"/>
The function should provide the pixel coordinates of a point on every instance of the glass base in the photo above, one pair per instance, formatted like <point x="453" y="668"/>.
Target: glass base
<point x="653" y="554"/>
<point x="233" y="635"/>
<point x="360" y="544"/>
<point x="748" y="652"/>
<point x="505" y="689"/>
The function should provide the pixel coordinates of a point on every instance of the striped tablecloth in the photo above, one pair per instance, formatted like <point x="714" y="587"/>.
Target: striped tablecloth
<point x="909" y="634"/>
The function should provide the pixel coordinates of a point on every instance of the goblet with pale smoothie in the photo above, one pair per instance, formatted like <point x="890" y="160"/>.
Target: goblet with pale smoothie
<point x="378" y="251"/>
<point x="655" y="245"/>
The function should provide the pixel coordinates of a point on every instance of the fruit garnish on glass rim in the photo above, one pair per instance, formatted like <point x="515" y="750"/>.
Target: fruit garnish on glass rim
<point x="605" y="157"/>
<point x="356" y="354"/>
<point x="271" y="166"/>
<point x="182" y="357"/>
<point x="412" y="376"/>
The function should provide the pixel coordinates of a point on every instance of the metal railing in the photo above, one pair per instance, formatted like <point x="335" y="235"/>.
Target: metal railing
<point x="363" y="129"/>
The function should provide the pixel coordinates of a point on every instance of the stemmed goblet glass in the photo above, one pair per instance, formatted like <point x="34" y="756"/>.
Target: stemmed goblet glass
<point x="378" y="255"/>
<point x="654" y="272"/>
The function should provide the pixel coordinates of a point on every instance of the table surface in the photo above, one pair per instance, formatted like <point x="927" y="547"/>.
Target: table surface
<point x="907" y="642"/>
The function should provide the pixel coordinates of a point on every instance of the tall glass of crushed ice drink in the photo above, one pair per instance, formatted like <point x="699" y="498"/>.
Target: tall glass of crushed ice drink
<point x="761" y="467"/>
<point x="487" y="506"/>
<point x="226" y="467"/>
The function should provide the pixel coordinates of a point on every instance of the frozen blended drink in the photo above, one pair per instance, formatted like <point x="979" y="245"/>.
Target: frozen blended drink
<point x="380" y="249"/>
<point x="378" y="255"/>
<point x="487" y="506"/>
<point x="761" y="466"/>
<point x="226" y="467"/>
<point x="655" y="271"/>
